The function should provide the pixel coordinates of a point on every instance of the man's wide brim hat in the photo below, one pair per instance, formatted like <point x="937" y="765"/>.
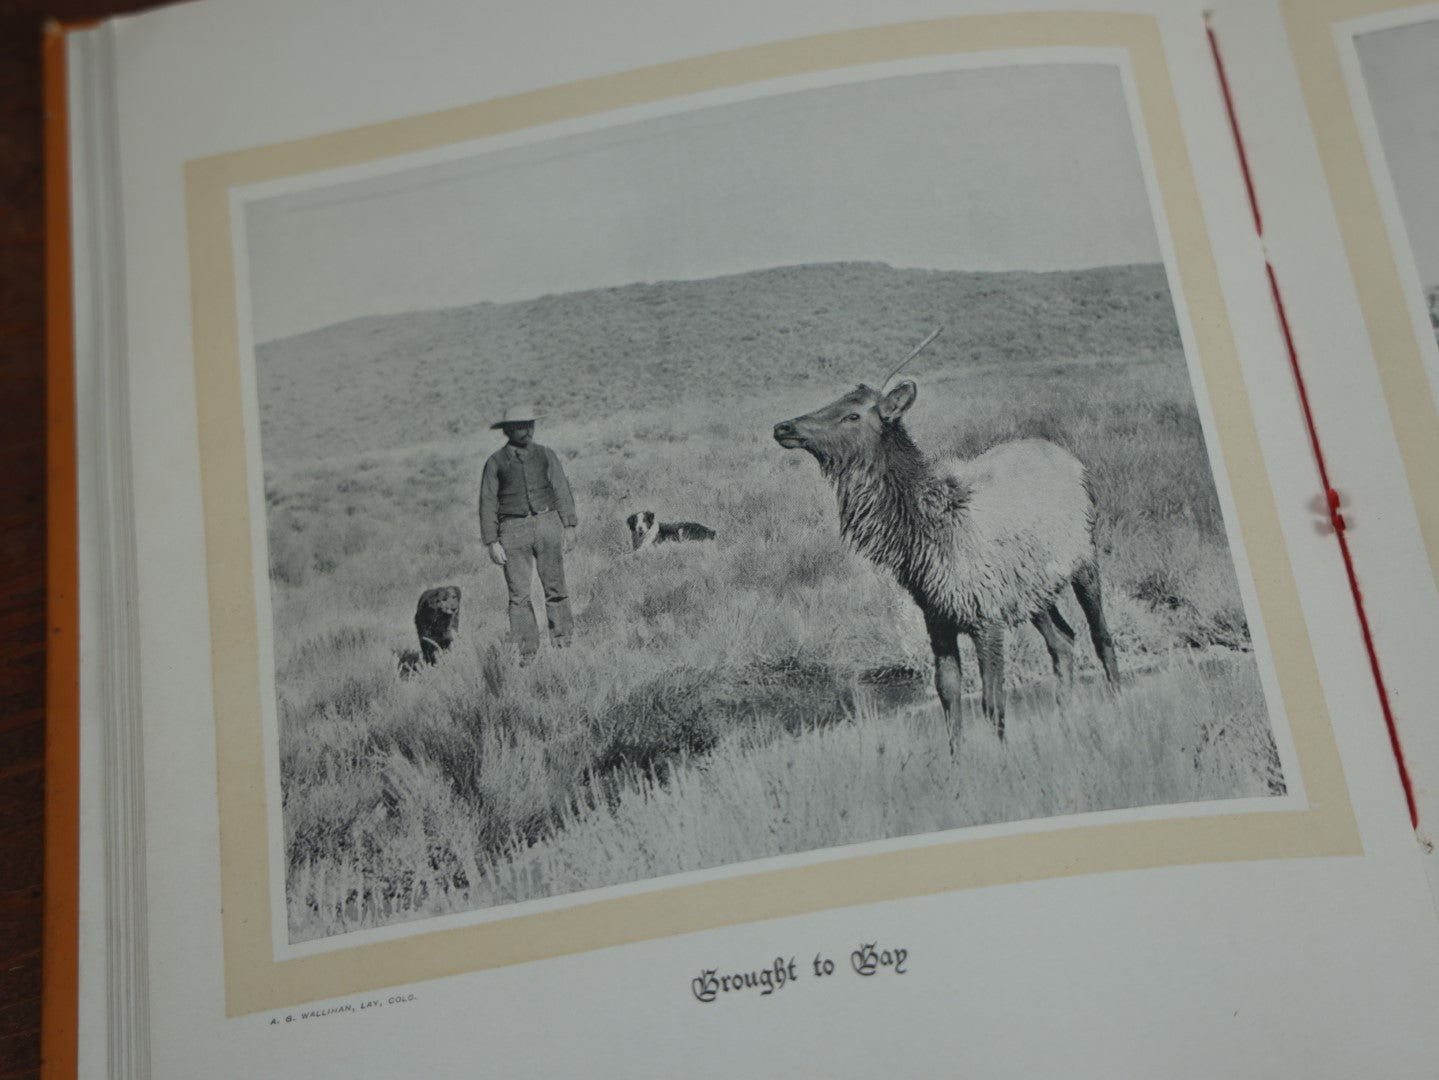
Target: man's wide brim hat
<point x="517" y="414"/>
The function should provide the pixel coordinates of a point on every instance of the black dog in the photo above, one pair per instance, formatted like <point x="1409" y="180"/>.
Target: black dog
<point x="645" y="530"/>
<point x="437" y="620"/>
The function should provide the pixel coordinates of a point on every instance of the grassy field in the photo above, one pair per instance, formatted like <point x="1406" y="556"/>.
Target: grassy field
<point x="763" y="694"/>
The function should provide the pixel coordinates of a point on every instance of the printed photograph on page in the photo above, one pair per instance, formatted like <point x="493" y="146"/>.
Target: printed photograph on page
<point x="1398" y="66"/>
<point x="792" y="473"/>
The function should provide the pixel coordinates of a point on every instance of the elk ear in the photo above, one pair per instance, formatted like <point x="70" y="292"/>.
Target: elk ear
<point x="893" y="405"/>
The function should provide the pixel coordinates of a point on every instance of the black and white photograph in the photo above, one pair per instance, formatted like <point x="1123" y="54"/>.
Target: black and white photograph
<point x="809" y="470"/>
<point x="1400" y="70"/>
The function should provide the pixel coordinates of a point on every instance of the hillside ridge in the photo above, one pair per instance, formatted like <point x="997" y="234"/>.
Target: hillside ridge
<point x="385" y="381"/>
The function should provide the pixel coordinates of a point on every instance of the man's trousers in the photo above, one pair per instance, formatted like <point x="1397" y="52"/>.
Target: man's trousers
<point x="537" y="541"/>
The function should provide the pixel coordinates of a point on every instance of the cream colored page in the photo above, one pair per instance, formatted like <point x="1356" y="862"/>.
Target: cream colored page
<point x="1354" y="291"/>
<point x="1003" y="956"/>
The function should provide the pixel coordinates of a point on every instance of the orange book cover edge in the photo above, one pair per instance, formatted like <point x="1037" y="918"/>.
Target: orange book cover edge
<point x="59" y="992"/>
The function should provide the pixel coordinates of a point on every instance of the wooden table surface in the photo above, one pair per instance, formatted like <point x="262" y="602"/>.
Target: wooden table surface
<point x="22" y="518"/>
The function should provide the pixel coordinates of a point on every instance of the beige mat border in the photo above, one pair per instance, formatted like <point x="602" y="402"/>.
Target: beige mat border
<point x="255" y="981"/>
<point x="1373" y="263"/>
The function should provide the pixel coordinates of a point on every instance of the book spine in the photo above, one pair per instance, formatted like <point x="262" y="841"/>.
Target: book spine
<point x="98" y="664"/>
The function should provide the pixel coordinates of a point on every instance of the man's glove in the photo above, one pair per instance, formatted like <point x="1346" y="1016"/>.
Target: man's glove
<point x="497" y="554"/>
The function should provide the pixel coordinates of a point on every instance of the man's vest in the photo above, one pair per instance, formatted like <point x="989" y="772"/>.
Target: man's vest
<point x="524" y="484"/>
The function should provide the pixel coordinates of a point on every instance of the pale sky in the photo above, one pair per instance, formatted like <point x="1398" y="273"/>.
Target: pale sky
<point x="1401" y="72"/>
<point x="1025" y="167"/>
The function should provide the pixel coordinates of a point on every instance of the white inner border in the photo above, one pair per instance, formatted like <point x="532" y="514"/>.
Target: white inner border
<point x="1345" y="34"/>
<point x="1295" y="799"/>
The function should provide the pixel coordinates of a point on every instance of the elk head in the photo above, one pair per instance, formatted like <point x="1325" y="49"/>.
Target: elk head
<point x="853" y="428"/>
<point x="850" y="429"/>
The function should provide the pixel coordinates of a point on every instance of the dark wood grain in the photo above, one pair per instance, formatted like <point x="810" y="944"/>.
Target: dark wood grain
<point x="22" y="520"/>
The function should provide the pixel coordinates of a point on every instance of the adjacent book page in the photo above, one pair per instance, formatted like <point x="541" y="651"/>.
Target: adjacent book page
<point x="392" y="819"/>
<point x="1350" y="225"/>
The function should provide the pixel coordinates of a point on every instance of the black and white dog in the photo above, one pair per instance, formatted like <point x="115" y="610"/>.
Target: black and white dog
<point x="645" y="530"/>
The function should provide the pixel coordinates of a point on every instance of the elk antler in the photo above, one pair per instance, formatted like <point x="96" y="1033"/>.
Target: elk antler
<point x="917" y="350"/>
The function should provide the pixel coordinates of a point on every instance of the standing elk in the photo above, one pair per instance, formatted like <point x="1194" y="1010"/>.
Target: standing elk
<point x="980" y="544"/>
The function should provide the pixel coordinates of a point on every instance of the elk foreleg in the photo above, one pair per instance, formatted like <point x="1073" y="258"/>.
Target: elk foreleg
<point x="944" y="640"/>
<point x="989" y="645"/>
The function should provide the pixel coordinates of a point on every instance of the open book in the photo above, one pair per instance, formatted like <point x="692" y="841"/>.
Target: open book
<point x="745" y="539"/>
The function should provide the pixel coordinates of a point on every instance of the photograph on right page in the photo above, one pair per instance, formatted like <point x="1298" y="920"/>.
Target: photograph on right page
<point x="1398" y="67"/>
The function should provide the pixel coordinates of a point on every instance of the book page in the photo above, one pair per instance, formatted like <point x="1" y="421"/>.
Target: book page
<point x="806" y="695"/>
<point x="1349" y="217"/>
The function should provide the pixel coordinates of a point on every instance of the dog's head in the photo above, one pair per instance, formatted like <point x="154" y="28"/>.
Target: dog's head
<point x="641" y="525"/>
<point x="437" y="617"/>
<point x="444" y="600"/>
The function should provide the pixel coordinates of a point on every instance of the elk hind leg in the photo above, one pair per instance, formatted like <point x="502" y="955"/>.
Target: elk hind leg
<point x="1059" y="640"/>
<point x="944" y="641"/>
<point x="1086" y="590"/>
<point x="989" y="645"/>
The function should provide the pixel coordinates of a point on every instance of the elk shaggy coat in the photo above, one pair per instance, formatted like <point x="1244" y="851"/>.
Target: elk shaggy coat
<point x="987" y="540"/>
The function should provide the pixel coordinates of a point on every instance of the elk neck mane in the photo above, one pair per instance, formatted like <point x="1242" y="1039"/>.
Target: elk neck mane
<point x="893" y="507"/>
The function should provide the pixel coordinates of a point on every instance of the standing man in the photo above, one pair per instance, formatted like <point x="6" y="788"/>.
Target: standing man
<point x="527" y="520"/>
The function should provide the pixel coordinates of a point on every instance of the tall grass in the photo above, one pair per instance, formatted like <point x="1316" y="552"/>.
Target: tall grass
<point x="1180" y="734"/>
